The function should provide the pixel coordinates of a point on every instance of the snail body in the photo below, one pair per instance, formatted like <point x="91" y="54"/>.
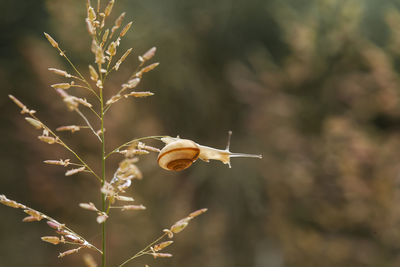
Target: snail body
<point x="179" y="154"/>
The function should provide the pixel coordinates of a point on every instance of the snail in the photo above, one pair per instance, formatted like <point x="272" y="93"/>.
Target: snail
<point x="179" y="154"/>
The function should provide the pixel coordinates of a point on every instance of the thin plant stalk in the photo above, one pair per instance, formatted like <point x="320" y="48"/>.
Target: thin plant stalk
<point x="156" y="137"/>
<point x="143" y="251"/>
<point x="103" y="177"/>
<point x="67" y="147"/>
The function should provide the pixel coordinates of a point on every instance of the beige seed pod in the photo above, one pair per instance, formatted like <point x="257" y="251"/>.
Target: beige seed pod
<point x="180" y="154"/>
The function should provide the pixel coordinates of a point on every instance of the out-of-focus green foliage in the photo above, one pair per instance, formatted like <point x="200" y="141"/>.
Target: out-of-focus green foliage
<point x="312" y="85"/>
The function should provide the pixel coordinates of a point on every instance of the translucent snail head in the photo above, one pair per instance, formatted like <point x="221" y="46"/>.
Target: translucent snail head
<point x="179" y="154"/>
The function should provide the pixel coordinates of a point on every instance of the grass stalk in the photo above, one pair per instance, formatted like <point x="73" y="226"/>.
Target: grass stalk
<point x="103" y="178"/>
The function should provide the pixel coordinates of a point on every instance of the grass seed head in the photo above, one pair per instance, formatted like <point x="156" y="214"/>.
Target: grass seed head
<point x="132" y="83"/>
<point x="125" y="29"/>
<point x="180" y="225"/>
<point x="148" y="55"/>
<point x="51" y="41"/>
<point x="83" y="102"/>
<point x="55" y="225"/>
<point x="113" y="99"/>
<point x="112" y="49"/>
<point x="91" y="14"/>
<point x="88" y="206"/>
<point x="147" y="69"/>
<point x="60" y="72"/>
<point x="142" y="145"/>
<point x="63" y="86"/>
<point x="139" y="94"/>
<point x="133" y="207"/>
<point x="105" y="36"/>
<point x="162" y="245"/>
<point x="197" y="213"/>
<point x="161" y="255"/>
<point x="93" y="73"/>
<point x="119" y="20"/>
<point x="98" y="52"/>
<point x="30" y="219"/>
<point x="102" y="218"/>
<point x="124" y="198"/>
<point x="75" y="171"/>
<point x="71" y="128"/>
<point x="133" y="152"/>
<point x="47" y="139"/>
<point x="90" y="27"/>
<point x="35" y="123"/>
<point x="37" y="215"/>
<point x="124" y="56"/>
<point x="51" y="239"/>
<point x="60" y="162"/>
<point x="69" y="252"/>
<point x="74" y="239"/>
<point x="24" y="109"/>
<point x="108" y="9"/>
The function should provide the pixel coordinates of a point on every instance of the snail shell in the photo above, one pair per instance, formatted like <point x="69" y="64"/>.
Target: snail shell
<point x="178" y="155"/>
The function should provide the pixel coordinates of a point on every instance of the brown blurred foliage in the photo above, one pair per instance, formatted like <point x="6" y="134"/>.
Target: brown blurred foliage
<point x="312" y="85"/>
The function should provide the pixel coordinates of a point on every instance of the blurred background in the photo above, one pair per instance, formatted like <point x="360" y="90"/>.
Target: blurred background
<point x="313" y="85"/>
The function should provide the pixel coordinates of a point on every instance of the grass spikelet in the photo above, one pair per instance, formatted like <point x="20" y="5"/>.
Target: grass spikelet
<point x="70" y="128"/>
<point x="133" y="207"/>
<point x="131" y="83"/>
<point x="69" y="252"/>
<point x="147" y="69"/>
<point x="124" y="198"/>
<point x="122" y="59"/>
<point x="91" y="14"/>
<point x="88" y="206"/>
<point x="35" y="123"/>
<point x="102" y="218"/>
<point x="125" y="29"/>
<point x="90" y="27"/>
<point x="148" y="55"/>
<point x="117" y="24"/>
<point x="139" y="94"/>
<point x="99" y="53"/>
<point x="180" y="225"/>
<point x="60" y="72"/>
<point x="104" y="38"/>
<point x="113" y="99"/>
<point x="51" y="40"/>
<point x="161" y="255"/>
<point x="24" y="109"/>
<point x="47" y="139"/>
<point x="37" y="215"/>
<point x="162" y="245"/>
<point x="63" y="86"/>
<point x="60" y="162"/>
<point x="112" y="49"/>
<point x="109" y="7"/>
<point x="93" y="73"/>
<point x="197" y="213"/>
<point x="10" y="203"/>
<point x="75" y="171"/>
<point x="51" y="239"/>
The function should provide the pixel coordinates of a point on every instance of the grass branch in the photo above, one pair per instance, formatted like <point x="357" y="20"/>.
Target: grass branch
<point x="143" y="251"/>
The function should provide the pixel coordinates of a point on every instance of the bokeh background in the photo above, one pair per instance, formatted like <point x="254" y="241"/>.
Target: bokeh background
<point x="313" y="85"/>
